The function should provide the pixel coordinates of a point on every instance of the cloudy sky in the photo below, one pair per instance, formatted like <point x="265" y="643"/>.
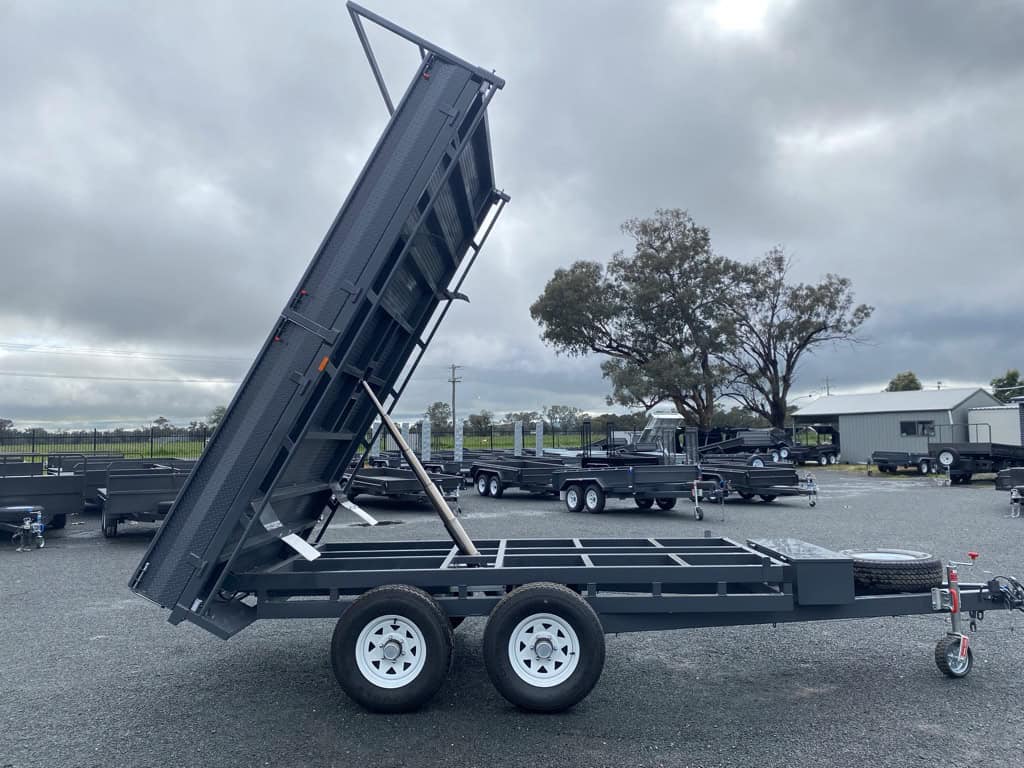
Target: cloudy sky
<point x="167" y="170"/>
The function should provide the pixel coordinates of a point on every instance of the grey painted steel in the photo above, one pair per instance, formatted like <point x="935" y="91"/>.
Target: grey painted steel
<point x="1009" y="478"/>
<point x="358" y="314"/>
<point x="538" y="439"/>
<point x="399" y="483"/>
<point x="143" y="493"/>
<point x="425" y="440"/>
<point x="529" y="473"/>
<point x="517" y="438"/>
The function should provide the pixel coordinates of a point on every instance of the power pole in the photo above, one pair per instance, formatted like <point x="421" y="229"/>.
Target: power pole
<point x="827" y="390"/>
<point x="453" y="379"/>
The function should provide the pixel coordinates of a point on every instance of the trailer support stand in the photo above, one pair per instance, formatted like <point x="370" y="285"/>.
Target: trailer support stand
<point x="451" y="524"/>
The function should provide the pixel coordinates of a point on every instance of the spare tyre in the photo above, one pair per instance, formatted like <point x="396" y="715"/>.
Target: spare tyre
<point x="895" y="570"/>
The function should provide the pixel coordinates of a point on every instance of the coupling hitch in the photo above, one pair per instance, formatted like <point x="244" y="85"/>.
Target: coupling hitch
<point x="29" y="535"/>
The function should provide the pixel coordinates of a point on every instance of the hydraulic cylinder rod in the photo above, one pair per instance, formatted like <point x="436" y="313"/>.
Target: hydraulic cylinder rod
<point x="451" y="523"/>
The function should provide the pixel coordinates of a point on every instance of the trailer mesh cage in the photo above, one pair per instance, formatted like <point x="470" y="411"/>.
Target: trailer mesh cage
<point x="369" y="301"/>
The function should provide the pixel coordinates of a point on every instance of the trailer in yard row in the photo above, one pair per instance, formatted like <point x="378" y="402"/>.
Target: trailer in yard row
<point x="588" y="488"/>
<point x="964" y="460"/>
<point x="768" y="483"/>
<point x="893" y="461"/>
<point x="243" y="539"/>
<point x="494" y="475"/>
<point x="400" y="483"/>
<point x="142" y="493"/>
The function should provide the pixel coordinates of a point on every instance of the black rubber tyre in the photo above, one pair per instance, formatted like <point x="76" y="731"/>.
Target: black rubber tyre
<point x="411" y="605"/>
<point x="924" y="468"/>
<point x="757" y="461"/>
<point x="594" y="499"/>
<point x="666" y="503"/>
<point x="107" y="525"/>
<point x="515" y="609"/>
<point x="776" y="457"/>
<point x="495" y="487"/>
<point x="895" y="570"/>
<point x="948" y="458"/>
<point x="481" y="484"/>
<point x="58" y="522"/>
<point x="746" y="496"/>
<point x="644" y="503"/>
<point x="947" y="657"/>
<point x="698" y="513"/>
<point x="455" y="621"/>
<point x="767" y="498"/>
<point x="574" y="498"/>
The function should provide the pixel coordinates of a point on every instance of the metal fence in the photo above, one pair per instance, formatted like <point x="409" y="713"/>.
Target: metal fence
<point x="146" y="443"/>
<point x="495" y="438"/>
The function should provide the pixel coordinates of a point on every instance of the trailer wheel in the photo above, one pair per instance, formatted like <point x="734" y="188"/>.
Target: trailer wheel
<point x="698" y="513"/>
<point x="924" y="468"/>
<point x="644" y="503"/>
<point x="895" y="570"/>
<point x="543" y="647"/>
<point x="948" y="458"/>
<point x="784" y="453"/>
<point x="392" y="649"/>
<point x="666" y="503"/>
<point x="593" y="499"/>
<point x="58" y="522"/>
<point x="481" y="483"/>
<point x="833" y="458"/>
<point x="947" y="657"/>
<point x="495" y="487"/>
<point x="823" y="461"/>
<point x="746" y="496"/>
<point x="574" y="498"/>
<point x="757" y="462"/>
<point x="108" y="525"/>
<point x="775" y="457"/>
<point x="767" y="498"/>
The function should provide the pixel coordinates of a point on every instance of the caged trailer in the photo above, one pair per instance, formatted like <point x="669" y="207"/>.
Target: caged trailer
<point x="243" y="540"/>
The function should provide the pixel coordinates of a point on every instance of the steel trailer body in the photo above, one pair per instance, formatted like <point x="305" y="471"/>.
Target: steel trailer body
<point x="963" y="460"/>
<point x="397" y="483"/>
<point x="492" y="476"/>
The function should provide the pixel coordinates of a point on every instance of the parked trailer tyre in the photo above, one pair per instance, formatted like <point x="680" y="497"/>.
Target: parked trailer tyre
<point x="666" y="503"/>
<point x="767" y="498"/>
<point x="895" y="570"/>
<point x="392" y="649"/>
<point x="698" y="513"/>
<point x="823" y="461"/>
<point x="58" y="522"/>
<point x="776" y="456"/>
<point x="574" y="498"/>
<point x="593" y="499"/>
<point x="948" y="660"/>
<point x="644" y="503"/>
<point x="746" y="496"/>
<point x="833" y="459"/>
<point x="495" y="488"/>
<point x="108" y="525"/>
<point x="543" y="647"/>
<point x="924" y="467"/>
<point x="757" y="462"/>
<point x="481" y="483"/>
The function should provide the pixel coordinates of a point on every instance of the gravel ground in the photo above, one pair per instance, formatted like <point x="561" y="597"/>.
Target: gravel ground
<point x="94" y="676"/>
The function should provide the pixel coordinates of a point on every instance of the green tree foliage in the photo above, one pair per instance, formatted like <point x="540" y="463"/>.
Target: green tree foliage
<point x="216" y="415"/>
<point x="739" y="417"/>
<point x="565" y="417"/>
<point x="439" y="415"/>
<point x="1007" y="386"/>
<point x="776" y="324"/>
<point x="480" y="421"/>
<point x="6" y="424"/>
<point x="527" y="417"/>
<point x="677" y="322"/>
<point x="652" y="313"/>
<point x="904" y="382"/>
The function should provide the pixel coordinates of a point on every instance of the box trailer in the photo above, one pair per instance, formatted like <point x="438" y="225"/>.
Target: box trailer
<point x="242" y="541"/>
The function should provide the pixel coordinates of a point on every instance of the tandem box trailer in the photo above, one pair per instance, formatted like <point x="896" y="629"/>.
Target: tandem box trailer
<point x="243" y="539"/>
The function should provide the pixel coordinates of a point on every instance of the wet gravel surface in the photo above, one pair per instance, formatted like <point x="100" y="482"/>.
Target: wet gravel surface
<point x="91" y="675"/>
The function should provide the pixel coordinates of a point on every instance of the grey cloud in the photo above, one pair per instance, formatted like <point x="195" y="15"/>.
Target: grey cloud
<point x="168" y="171"/>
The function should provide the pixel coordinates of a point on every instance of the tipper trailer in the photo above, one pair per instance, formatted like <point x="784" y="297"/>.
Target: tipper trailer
<point x="243" y="539"/>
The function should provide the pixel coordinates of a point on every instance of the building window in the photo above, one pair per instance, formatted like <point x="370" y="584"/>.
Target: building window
<point x="917" y="429"/>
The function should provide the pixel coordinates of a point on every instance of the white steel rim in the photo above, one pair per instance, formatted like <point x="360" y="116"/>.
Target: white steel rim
<point x="494" y="485"/>
<point x="544" y="650"/>
<point x="784" y="453"/>
<point x="833" y="459"/>
<point x="592" y="498"/>
<point x="481" y="484"/>
<point x="775" y="457"/>
<point x="946" y="459"/>
<point x="391" y="651"/>
<point x="757" y="463"/>
<point x="572" y="498"/>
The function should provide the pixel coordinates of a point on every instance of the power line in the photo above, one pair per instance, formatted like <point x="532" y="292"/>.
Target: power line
<point x="154" y="380"/>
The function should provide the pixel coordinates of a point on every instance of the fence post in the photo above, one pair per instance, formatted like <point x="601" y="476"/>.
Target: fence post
<point x="517" y="438"/>
<point x="425" y="440"/>
<point x="490" y="438"/>
<point x="33" y="439"/>
<point x="375" y="446"/>
<point x="539" y="439"/>
<point x="457" y="439"/>
<point x="151" y="430"/>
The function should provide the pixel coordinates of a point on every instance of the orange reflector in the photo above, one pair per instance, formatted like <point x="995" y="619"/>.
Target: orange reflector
<point x="323" y="363"/>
